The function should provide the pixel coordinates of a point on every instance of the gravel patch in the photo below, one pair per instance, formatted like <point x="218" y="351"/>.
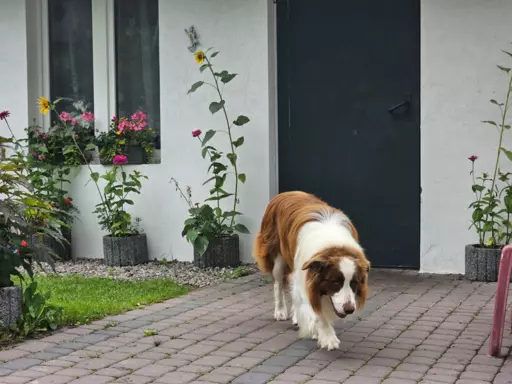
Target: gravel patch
<point x="181" y="272"/>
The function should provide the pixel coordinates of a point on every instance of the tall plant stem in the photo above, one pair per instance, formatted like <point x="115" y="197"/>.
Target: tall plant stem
<point x="502" y="131"/>
<point x="235" y="168"/>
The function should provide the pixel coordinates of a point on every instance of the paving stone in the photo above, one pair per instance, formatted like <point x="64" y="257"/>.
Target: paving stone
<point x="132" y="364"/>
<point x="113" y="372"/>
<point x="53" y="379"/>
<point x="332" y="375"/>
<point x="20" y="364"/>
<point x="362" y="380"/>
<point x="245" y="362"/>
<point x="92" y="379"/>
<point x="253" y="378"/>
<point x="399" y="381"/>
<point x="374" y="371"/>
<point x="177" y="378"/>
<point x="95" y="363"/>
<point x="134" y="379"/>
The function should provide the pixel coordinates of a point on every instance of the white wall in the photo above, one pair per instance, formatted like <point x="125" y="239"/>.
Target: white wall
<point x="13" y="65"/>
<point x="461" y="43"/>
<point x="240" y="30"/>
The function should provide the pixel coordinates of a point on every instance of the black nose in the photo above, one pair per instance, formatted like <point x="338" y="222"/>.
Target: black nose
<point x="349" y="309"/>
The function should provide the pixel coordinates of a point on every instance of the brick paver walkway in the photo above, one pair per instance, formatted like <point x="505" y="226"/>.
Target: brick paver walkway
<point x="414" y="329"/>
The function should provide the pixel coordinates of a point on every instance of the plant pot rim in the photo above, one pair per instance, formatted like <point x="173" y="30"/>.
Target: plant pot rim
<point x="124" y="237"/>
<point x="478" y="246"/>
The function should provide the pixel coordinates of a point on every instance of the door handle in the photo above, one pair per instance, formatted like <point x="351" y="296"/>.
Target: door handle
<point x="395" y="107"/>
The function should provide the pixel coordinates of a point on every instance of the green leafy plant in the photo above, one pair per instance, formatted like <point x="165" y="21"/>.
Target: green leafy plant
<point x="37" y="314"/>
<point x="492" y="207"/>
<point x="124" y="134"/>
<point x="111" y="211"/>
<point x="18" y="207"/>
<point x="206" y="221"/>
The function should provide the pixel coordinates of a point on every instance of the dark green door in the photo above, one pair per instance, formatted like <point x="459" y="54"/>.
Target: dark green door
<point x="349" y="115"/>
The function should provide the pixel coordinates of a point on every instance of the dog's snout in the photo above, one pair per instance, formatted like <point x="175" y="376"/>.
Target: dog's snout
<point x="349" y="308"/>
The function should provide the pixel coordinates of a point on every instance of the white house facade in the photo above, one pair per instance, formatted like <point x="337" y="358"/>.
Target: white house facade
<point x="373" y="106"/>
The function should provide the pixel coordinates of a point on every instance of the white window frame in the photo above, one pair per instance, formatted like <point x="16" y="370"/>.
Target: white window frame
<point x="104" y="61"/>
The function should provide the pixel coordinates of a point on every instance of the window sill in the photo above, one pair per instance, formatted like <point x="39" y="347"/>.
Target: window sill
<point x="156" y="159"/>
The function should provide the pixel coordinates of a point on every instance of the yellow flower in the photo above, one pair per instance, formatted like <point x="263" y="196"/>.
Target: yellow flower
<point x="44" y="105"/>
<point x="118" y="132"/>
<point x="199" y="56"/>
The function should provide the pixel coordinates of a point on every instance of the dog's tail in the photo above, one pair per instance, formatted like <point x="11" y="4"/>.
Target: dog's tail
<point x="266" y="246"/>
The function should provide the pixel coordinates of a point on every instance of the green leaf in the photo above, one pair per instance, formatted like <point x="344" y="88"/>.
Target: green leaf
<point x="490" y="122"/>
<point x="508" y="203"/>
<point x="90" y="147"/>
<point x="216" y="106"/>
<point x="201" y="244"/>
<point x="227" y="78"/>
<point x="495" y="102"/>
<point x="95" y="176"/>
<point x="238" y="142"/>
<point x="203" y="67"/>
<point x="241" y="120"/>
<point x="214" y="54"/>
<point x="210" y="179"/>
<point x="478" y="214"/>
<point x="241" y="177"/>
<point x="232" y="158"/>
<point x="208" y="135"/>
<point x="508" y="53"/>
<point x="241" y="228"/>
<point x="504" y="69"/>
<point x="477" y="187"/>
<point x="192" y="236"/>
<point x="195" y="86"/>
<point x="507" y="152"/>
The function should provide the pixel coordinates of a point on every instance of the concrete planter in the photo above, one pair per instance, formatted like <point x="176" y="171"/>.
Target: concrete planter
<point x="10" y="305"/>
<point x="61" y="249"/>
<point x="122" y="251"/>
<point x="482" y="264"/>
<point x="222" y="252"/>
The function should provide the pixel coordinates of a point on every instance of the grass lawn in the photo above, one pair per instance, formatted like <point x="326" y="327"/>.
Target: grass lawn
<point x="90" y="298"/>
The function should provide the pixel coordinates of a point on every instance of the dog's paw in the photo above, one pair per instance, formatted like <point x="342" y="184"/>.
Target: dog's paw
<point x="329" y="343"/>
<point x="280" y="315"/>
<point x="294" y="319"/>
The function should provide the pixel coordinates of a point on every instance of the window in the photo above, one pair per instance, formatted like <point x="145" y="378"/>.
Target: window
<point x="70" y="51"/>
<point x="137" y="59"/>
<point x="103" y="52"/>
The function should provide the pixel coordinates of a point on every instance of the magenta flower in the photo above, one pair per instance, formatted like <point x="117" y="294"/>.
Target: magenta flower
<point x="88" y="116"/>
<point x="4" y="115"/>
<point x="196" y="133"/>
<point x="472" y="158"/>
<point x="64" y="116"/>
<point x="120" y="160"/>
<point x="124" y="125"/>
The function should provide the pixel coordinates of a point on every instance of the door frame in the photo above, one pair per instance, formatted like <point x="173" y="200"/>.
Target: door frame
<point x="275" y="32"/>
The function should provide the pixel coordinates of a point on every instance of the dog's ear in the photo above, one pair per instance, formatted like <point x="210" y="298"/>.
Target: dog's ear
<point x="316" y="263"/>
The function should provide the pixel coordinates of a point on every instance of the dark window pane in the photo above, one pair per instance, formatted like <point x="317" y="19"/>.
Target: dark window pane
<point x="70" y="45"/>
<point x="137" y="59"/>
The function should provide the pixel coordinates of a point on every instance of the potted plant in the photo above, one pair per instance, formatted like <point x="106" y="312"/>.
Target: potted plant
<point x="16" y="205"/>
<point x="212" y="229"/>
<point x="492" y="207"/>
<point x="127" y="136"/>
<point x="124" y="244"/>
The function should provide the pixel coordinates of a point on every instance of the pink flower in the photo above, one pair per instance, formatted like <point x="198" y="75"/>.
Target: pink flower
<point x="472" y="158"/>
<point x="4" y="115"/>
<point x="64" y="116"/>
<point x="73" y="122"/>
<point x="120" y="160"/>
<point x="139" y="116"/>
<point x="125" y="125"/>
<point x="24" y="243"/>
<point x="88" y="116"/>
<point x="196" y="133"/>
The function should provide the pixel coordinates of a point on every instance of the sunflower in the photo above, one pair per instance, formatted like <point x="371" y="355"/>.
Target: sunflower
<point x="44" y="105"/>
<point x="200" y="57"/>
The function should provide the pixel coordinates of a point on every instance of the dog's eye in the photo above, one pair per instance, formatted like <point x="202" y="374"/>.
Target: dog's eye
<point x="353" y="284"/>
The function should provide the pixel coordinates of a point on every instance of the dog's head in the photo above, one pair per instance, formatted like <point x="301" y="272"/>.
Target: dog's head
<point x="341" y="274"/>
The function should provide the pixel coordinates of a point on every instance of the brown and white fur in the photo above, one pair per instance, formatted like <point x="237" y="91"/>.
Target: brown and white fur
<point x="305" y="243"/>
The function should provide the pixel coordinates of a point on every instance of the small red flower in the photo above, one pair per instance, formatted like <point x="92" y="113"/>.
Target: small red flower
<point x="24" y="243"/>
<point x="67" y="201"/>
<point x="120" y="160"/>
<point x="4" y="115"/>
<point x="472" y="158"/>
<point x="52" y="205"/>
<point x="196" y="133"/>
<point x="196" y="204"/>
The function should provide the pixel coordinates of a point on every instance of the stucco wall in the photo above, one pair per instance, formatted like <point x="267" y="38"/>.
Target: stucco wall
<point x="240" y="30"/>
<point x="13" y="65"/>
<point x="461" y="43"/>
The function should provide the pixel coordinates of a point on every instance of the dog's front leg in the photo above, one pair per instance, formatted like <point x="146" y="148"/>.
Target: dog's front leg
<point x="327" y="336"/>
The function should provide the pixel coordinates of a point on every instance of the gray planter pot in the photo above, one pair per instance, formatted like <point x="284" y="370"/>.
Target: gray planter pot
<point x="61" y="249"/>
<point x="122" y="251"/>
<point x="482" y="264"/>
<point x="10" y="305"/>
<point x="222" y="252"/>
